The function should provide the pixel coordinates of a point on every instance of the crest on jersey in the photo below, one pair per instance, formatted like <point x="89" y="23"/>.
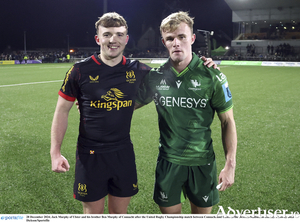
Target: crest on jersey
<point x="196" y="85"/>
<point x="130" y="76"/>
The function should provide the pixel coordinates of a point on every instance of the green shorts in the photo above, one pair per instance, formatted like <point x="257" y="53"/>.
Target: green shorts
<point x="174" y="183"/>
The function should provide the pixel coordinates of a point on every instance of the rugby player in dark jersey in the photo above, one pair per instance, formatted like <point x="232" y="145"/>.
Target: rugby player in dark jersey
<point x="105" y="86"/>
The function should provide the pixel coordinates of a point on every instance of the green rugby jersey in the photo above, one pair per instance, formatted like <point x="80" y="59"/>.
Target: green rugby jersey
<point x="186" y="103"/>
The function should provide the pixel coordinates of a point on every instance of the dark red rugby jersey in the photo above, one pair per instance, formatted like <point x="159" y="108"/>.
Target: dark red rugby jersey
<point x="106" y="96"/>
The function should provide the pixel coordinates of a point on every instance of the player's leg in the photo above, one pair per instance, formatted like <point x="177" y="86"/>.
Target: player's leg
<point x="90" y="185"/>
<point x="176" y="209"/>
<point x="201" y="188"/>
<point x="168" y="189"/>
<point x="118" y="205"/>
<point x="123" y="183"/>
<point x="95" y="207"/>
<point x="200" y="210"/>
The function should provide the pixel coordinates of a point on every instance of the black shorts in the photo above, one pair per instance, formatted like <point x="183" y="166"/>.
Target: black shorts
<point x="100" y="174"/>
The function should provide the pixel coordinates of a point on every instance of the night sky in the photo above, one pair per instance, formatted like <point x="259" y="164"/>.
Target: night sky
<point x="49" y="24"/>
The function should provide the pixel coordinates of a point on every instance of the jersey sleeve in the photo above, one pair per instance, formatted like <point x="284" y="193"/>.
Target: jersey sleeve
<point x="69" y="88"/>
<point x="144" y="94"/>
<point x="222" y="98"/>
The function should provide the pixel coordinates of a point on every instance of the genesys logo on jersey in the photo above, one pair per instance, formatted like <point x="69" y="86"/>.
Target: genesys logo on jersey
<point x="183" y="102"/>
<point x="130" y="76"/>
<point x="112" y="100"/>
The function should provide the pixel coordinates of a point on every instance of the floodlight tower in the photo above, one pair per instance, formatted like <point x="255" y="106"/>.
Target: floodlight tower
<point x="206" y="35"/>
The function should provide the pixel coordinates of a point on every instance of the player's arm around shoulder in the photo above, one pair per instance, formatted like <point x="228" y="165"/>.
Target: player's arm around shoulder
<point x="58" y="130"/>
<point x="209" y="62"/>
<point x="229" y="140"/>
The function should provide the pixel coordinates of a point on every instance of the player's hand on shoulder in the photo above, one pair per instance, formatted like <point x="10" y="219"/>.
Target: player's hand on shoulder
<point x="209" y="63"/>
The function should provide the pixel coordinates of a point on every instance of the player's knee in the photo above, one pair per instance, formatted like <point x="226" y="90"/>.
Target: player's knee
<point x="171" y="210"/>
<point x="96" y="207"/>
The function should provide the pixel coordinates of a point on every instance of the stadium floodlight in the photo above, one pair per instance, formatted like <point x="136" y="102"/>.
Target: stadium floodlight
<point x="206" y="32"/>
<point x="207" y="35"/>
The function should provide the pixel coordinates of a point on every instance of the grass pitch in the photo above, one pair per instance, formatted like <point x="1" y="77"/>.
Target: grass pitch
<point x="266" y="110"/>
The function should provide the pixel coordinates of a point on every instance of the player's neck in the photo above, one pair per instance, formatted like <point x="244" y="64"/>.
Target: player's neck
<point x="180" y="66"/>
<point x="111" y="61"/>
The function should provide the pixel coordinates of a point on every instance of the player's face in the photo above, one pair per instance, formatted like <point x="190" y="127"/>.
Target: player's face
<point x="112" y="41"/>
<point x="179" y="43"/>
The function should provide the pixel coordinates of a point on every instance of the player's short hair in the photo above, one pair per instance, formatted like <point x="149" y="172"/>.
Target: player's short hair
<point x="111" y="19"/>
<point x="171" y="23"/>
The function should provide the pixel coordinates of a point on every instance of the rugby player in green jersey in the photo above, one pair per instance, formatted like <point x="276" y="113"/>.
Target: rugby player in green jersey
<point x="187" y="95"/>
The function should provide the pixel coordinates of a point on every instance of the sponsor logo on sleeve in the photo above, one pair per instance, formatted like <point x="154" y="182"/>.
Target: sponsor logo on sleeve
<point x="227" y="92"/>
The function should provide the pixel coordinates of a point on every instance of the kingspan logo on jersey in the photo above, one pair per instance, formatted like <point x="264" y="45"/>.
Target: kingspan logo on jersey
<point x="163" y="85"/>
<point x="112" y="100"/>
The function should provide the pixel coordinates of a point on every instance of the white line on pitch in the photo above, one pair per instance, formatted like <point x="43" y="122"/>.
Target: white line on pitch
<point x="29" y="83"/>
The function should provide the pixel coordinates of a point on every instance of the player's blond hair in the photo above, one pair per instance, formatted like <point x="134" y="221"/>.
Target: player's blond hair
<point x="171" y="23"/>
<point x="111" y="19"/>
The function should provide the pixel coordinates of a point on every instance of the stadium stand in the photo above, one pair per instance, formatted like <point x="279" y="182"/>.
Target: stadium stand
<point x="265" y="30"/>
